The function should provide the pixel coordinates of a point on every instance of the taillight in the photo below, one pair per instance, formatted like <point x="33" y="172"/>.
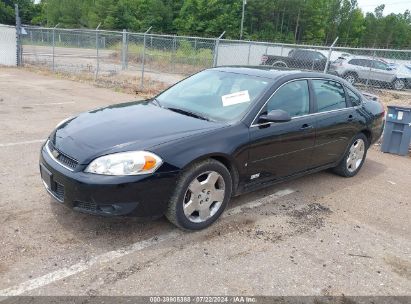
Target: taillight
<point x="264" y="59"/>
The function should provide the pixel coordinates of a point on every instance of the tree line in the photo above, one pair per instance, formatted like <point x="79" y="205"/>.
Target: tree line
<point x="291" y="21"/>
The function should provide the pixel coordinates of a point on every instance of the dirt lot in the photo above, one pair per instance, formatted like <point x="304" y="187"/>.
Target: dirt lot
<point x="317" y="235"/>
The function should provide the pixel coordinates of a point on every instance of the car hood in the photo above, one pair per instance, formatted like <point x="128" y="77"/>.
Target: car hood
<point x="124" y="127"/>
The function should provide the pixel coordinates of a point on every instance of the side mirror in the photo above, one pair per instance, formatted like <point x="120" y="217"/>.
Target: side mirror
<point x="390" y="68"/>
<point x="275" y="116"/>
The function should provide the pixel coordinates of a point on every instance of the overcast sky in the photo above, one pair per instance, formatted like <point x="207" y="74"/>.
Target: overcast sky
<point x="391" y="6"/>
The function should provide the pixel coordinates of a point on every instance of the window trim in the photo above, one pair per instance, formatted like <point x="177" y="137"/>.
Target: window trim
<point x="311" y="92"/>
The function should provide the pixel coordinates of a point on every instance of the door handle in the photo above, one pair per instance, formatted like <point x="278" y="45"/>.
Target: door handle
<point x="350" y="118"/>
<point x="306" y="127"/>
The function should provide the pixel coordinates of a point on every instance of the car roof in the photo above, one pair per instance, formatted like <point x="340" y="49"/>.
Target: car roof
<point x="275" y="74"/>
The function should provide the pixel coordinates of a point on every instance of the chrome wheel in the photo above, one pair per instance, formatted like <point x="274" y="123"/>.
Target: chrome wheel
<point x="279" y="64"/>
<point x="350" y="78"/>
<point x="204" y="197"/>
<point x="399" y="84"/>
<point x="356" y="155"/>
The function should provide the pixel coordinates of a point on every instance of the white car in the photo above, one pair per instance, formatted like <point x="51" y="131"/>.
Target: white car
<point x="369" y="70"/>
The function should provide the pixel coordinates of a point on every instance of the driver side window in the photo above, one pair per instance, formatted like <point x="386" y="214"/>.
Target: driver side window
<point x="293" y="98"/>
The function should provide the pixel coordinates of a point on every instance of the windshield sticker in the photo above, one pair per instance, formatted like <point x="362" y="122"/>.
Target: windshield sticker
<point x="235" y="98"/>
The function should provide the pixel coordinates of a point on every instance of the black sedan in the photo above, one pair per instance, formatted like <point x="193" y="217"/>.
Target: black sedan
<point x="216" y="134"/>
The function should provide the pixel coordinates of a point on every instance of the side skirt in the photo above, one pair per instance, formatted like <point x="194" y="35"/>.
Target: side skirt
<point x="253" y="187"/>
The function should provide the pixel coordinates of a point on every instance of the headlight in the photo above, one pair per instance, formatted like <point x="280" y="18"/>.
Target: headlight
<point x="126" y="163"/>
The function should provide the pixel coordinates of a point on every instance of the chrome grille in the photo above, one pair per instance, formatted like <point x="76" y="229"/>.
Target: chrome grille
<point x="62" y="158"/>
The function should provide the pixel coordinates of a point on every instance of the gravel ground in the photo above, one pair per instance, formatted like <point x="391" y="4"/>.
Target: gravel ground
<point x="317" y="235"/>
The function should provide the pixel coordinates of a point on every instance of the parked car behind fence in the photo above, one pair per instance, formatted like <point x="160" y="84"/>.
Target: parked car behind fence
<point x="370" y="71"/>
<point x="297" y="59"/>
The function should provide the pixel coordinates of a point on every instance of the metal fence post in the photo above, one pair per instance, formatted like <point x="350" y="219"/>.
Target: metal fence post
<point x="54" y="43"/>
<point x="144" y="58"/>
<point x="216" y="46"/>
<point x="124" y="51"/>
<point x="18" y="36"/>
<point x="329" y="55"/>
<point x="194" y="56"/>
<point x="174" y="54"/>
<point x="97" y="59"/>
<point x="249" y="52"/>
<point x="369" y="71"/>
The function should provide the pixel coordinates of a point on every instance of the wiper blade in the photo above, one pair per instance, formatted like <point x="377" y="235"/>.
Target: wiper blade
<point x="188" y="113"/>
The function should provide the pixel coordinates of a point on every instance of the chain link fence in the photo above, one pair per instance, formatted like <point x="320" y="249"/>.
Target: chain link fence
<point x="168" y="58"/>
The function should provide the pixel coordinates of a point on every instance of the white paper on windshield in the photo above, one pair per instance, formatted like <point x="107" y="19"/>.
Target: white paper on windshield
<point x="235" y="98"/>
<point x="400" y="115"/>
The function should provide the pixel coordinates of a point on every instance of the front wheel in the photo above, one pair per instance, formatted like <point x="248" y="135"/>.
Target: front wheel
<point x="398" y="84"/>
<point x="351" y="78"/>
<point x="201" y="195"/>
<point x="354" y="158"/>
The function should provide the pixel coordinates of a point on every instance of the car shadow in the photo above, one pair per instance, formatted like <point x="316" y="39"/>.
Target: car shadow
<point x="114" y="232"/>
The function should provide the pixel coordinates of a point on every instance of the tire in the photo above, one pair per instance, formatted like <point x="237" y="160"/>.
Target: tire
<point x="350" y="77"/>
<point x="280" y="64"/>
<point x="398" y="84"/>
<point x="354" y="157"/>
<point x="193" y="195"/>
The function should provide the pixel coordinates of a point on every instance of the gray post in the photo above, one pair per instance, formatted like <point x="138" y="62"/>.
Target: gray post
<point x="174" y="54"/>
<point x="97" y="58"/>
<point x="282" y="48"/>
<point x="144" y="58"/>
<point x="18" y="36"/>
<point x="216" y="46"/>
<point x="329" y="55"/>
<point x="369" y="71"/>
<point x="249" y="52"/>
<point x="195" y="52"/>
<point x="54" y="43"/>
<point x="124" y="51"/>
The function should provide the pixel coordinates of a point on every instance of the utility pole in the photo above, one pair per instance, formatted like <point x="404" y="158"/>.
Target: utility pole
<point x="242" y="19"/>
<point x="296" y="26"/>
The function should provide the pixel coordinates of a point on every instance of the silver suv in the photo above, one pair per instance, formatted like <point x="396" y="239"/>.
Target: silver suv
<point x="359" y="69"/>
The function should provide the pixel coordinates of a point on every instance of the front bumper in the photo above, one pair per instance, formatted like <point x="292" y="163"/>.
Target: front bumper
<point x="140" y="196"/>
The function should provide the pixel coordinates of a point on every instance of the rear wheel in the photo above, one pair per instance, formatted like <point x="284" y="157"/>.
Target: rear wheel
<point x="354" y="158"/>
<point x="201" y="195"/>
<point x="280" y="64"/>
<point x="351" y="78"/>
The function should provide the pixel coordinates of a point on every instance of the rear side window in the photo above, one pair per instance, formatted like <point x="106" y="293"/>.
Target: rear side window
<point x="329" y="94"/>
<point x="355" y="100"/>
<point x="293" y="98"/>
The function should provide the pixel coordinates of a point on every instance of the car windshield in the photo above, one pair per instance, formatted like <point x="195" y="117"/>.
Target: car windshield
<point x="214" y="95"/>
